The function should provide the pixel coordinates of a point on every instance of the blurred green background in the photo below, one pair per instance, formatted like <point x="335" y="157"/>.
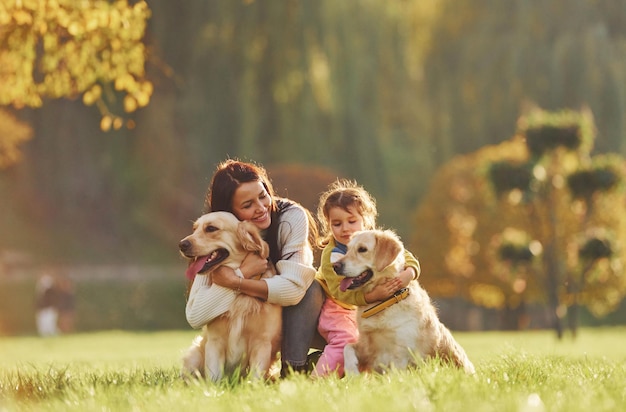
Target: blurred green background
<point x="384" y="92"/>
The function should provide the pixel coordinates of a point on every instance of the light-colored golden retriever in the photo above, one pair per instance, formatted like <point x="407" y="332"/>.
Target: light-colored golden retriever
<point x="408" y="329"/>
<point x="247" y="337"/>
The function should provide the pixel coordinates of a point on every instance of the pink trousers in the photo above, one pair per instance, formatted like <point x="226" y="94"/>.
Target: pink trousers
<point x="338" y="326"/>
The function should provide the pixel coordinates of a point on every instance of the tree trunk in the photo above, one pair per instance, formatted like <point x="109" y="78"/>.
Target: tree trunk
<point x="552" y="273"/>
<point x="572" y="316"/>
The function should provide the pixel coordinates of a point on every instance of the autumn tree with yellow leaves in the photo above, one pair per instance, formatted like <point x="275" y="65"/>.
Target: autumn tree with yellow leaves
<point x="12" y="134"/>
<point x="536" y="219"/>
<point x="93" y="50"/>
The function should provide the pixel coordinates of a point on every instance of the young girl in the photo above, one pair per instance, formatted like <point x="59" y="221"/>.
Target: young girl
<point x="244" y="189"/>
<point x="344" y="209"/>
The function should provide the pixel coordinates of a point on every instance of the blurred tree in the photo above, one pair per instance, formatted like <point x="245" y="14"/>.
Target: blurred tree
<point x="382" y="92"/>
<point x="12" y="134"/>
<point x="515" y="265"/>
<point x="489" y="57"/>
<point x="331" y="83"/>
<point x="53" y="55"/>
<point x="593" y="250"/>
<point x="459" y="230"/>
<point x="304" y="184"/>
<point x="565" y="188"/>
<point x="506" y="204"/>
<point x="65" y="49"/>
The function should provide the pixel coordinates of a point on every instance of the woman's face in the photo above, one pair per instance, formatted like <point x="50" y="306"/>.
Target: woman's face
<point x="252" y="202"/>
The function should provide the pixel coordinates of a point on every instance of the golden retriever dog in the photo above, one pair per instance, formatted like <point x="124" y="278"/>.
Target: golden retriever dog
<point x="247" y="337"/>
<point x="407" y="328"/>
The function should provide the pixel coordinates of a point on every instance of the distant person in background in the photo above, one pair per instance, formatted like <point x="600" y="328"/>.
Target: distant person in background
<point x="47" y="314"/>
<point x="66" y="305"/>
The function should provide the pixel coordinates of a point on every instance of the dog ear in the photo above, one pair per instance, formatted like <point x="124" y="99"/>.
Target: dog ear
<point x="388" y="247"/>
<point x="251" y="239"/>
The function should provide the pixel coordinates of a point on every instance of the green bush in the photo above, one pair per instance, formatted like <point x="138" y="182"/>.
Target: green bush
<point x="131" y="305"/>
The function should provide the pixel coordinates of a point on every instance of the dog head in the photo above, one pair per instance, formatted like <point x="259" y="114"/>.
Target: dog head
<point x="370" y="253"/>
<point x="219" y="238"/>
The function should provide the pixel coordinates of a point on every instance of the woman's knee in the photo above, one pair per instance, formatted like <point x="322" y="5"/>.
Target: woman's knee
<point x="314" y="296"/>
<point x="311" y="302"/>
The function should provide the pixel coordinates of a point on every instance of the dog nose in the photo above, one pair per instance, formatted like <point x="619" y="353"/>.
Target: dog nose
<point x="338" y="267"/>
<point x="184" y="245"/>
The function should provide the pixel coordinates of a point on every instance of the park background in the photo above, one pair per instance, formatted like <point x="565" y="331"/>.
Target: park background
<point x="412" y="99"/>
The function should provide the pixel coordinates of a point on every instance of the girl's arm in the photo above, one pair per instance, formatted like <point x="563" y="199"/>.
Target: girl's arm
<point x="326" y="271"/>
<point x="357" y="297"/>
<point x="411" y="262"/>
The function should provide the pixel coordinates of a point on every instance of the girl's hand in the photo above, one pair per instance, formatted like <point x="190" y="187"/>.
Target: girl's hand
<point x="384" y="290"/>
<point x="406" y="276"/>
<point x="253" y="265"/>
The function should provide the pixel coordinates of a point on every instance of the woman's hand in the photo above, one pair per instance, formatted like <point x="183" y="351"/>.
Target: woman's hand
<point x="225" y="276"/>
<point x="253" y="265"/>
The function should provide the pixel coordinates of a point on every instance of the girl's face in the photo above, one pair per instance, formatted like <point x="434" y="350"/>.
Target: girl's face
<point x="344" y="223"/>
<point x="252" y="202"/>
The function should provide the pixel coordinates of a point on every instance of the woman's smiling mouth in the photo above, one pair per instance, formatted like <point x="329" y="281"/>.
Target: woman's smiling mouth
<point x="261" y="218"/>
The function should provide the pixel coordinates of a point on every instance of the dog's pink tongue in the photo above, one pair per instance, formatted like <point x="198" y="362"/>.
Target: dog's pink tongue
<point x="194" y="267"/>
<point x="345" y="284"/>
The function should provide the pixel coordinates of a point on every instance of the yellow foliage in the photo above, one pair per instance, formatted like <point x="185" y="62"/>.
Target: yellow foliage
<point x="12" y="134"/>
<point x="488" y="296"/>
<point x="65" y="48"/>
<point x="463" y="225"/>
<point x="106" y="122"/>
<point x="456" y="222"/>
<point x="130" y="104"/>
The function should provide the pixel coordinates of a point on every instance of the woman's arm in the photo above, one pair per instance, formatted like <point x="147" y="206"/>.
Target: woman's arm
<point x="296" y="270"/>
<point x="207" y="301"/>
<point x="242" y="280"/>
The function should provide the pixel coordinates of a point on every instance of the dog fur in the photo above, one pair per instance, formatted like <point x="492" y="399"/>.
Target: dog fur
<point x="403" y="333"/>
<point x="247" y="337"/>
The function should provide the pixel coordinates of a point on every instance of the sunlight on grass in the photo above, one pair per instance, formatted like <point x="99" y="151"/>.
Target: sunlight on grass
<point x="120" y="371"/>
<point x="600" y="342"/>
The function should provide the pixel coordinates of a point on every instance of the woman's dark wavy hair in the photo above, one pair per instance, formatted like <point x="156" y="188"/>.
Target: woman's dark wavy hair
<point x="228" y="176"/>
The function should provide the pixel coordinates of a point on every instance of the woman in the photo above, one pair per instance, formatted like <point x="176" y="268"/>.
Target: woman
<point x="244" y="189"/>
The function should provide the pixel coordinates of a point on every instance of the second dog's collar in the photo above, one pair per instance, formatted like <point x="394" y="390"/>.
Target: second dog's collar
<point x="398" y="296"/>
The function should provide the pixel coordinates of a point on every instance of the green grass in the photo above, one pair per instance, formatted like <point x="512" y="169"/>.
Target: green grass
<point x="123" y="371"/>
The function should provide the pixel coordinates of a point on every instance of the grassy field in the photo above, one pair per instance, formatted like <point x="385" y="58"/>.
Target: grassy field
<point x="122" y="371"/>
